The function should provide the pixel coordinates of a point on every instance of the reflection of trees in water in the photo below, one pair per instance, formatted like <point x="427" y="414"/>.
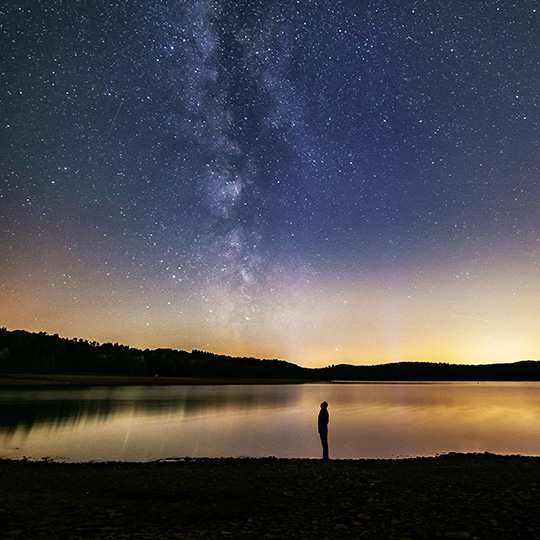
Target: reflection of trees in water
<point x="26" y="409"/>
<point x="26" y="414"/>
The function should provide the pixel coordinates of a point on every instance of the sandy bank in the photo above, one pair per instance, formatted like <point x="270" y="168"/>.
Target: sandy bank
<point x="455" y="496"/>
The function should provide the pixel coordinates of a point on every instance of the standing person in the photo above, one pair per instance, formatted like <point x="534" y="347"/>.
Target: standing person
<point x="323" y="428"/>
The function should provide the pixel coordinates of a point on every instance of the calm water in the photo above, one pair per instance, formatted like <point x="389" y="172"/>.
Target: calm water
<point x="366" y="420"/>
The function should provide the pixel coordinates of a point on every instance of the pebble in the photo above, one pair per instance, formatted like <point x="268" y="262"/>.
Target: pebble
<point x="457" y="535"/>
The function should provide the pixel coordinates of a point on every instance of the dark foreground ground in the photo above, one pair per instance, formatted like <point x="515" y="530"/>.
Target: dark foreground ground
<point x="455" y="496"/>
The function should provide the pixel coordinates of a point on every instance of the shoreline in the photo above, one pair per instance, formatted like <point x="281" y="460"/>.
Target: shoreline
<point x="65" y="380"/>
<point x="459" y="496"/>
<point x="273" y="459"/>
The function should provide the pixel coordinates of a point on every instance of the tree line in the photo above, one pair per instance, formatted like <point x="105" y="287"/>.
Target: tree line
<point x="22" y="351"/>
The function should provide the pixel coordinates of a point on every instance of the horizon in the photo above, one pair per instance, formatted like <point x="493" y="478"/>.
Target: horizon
<point x="346" y="184"/>
<point x="99" y="344"/>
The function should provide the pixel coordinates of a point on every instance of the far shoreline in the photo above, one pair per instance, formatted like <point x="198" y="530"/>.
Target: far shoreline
<point x="75" y="380"/>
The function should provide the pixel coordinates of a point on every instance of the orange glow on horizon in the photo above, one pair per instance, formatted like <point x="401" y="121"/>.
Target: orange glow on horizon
<point x="485" y="316"/>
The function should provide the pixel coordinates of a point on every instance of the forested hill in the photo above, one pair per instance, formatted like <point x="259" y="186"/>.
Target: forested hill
<point x="527" y="370"/>
<point x="22" y="351"/>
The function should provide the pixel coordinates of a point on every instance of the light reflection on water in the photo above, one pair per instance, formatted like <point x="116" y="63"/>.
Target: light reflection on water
<point x="366" y="420"/>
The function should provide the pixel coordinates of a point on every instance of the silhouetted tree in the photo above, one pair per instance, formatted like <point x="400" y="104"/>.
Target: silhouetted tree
<point x="39" y="352"/>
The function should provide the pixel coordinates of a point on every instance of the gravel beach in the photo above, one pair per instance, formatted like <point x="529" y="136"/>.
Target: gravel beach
<point x="455" y="496"/>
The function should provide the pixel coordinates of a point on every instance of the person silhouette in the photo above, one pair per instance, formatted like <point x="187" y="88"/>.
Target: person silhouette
<point x="323" y="428"/>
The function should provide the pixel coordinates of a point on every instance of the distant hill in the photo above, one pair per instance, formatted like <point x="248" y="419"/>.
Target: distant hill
<point x="527" y="370"/>
<point x="22" y="351"/>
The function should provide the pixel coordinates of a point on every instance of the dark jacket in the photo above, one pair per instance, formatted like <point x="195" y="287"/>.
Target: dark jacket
<point x="323" y="421"/>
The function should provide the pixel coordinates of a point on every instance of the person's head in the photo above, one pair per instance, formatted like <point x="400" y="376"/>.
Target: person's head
<point x="324" y="405"/>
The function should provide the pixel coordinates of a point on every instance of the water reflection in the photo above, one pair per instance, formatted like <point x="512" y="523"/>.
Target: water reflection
<point x="366" y="420"/>
<point x="28" y="408"/>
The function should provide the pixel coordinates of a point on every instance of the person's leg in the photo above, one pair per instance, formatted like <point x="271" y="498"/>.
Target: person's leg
<point x="324" y="442"/>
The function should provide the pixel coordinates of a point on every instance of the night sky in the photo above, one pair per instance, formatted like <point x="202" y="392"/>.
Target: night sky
<point x="322" y="182"/>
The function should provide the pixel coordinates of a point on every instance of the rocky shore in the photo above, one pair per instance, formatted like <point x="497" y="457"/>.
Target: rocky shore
<point x="455" y="496"/>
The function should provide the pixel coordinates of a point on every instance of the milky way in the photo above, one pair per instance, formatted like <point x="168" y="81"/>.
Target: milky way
<point x="321" y="182"/>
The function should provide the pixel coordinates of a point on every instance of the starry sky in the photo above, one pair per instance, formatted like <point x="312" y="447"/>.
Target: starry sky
<point x="323" y="182"/>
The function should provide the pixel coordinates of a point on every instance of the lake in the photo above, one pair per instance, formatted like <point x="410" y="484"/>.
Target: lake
<point x="375" y="420"/>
